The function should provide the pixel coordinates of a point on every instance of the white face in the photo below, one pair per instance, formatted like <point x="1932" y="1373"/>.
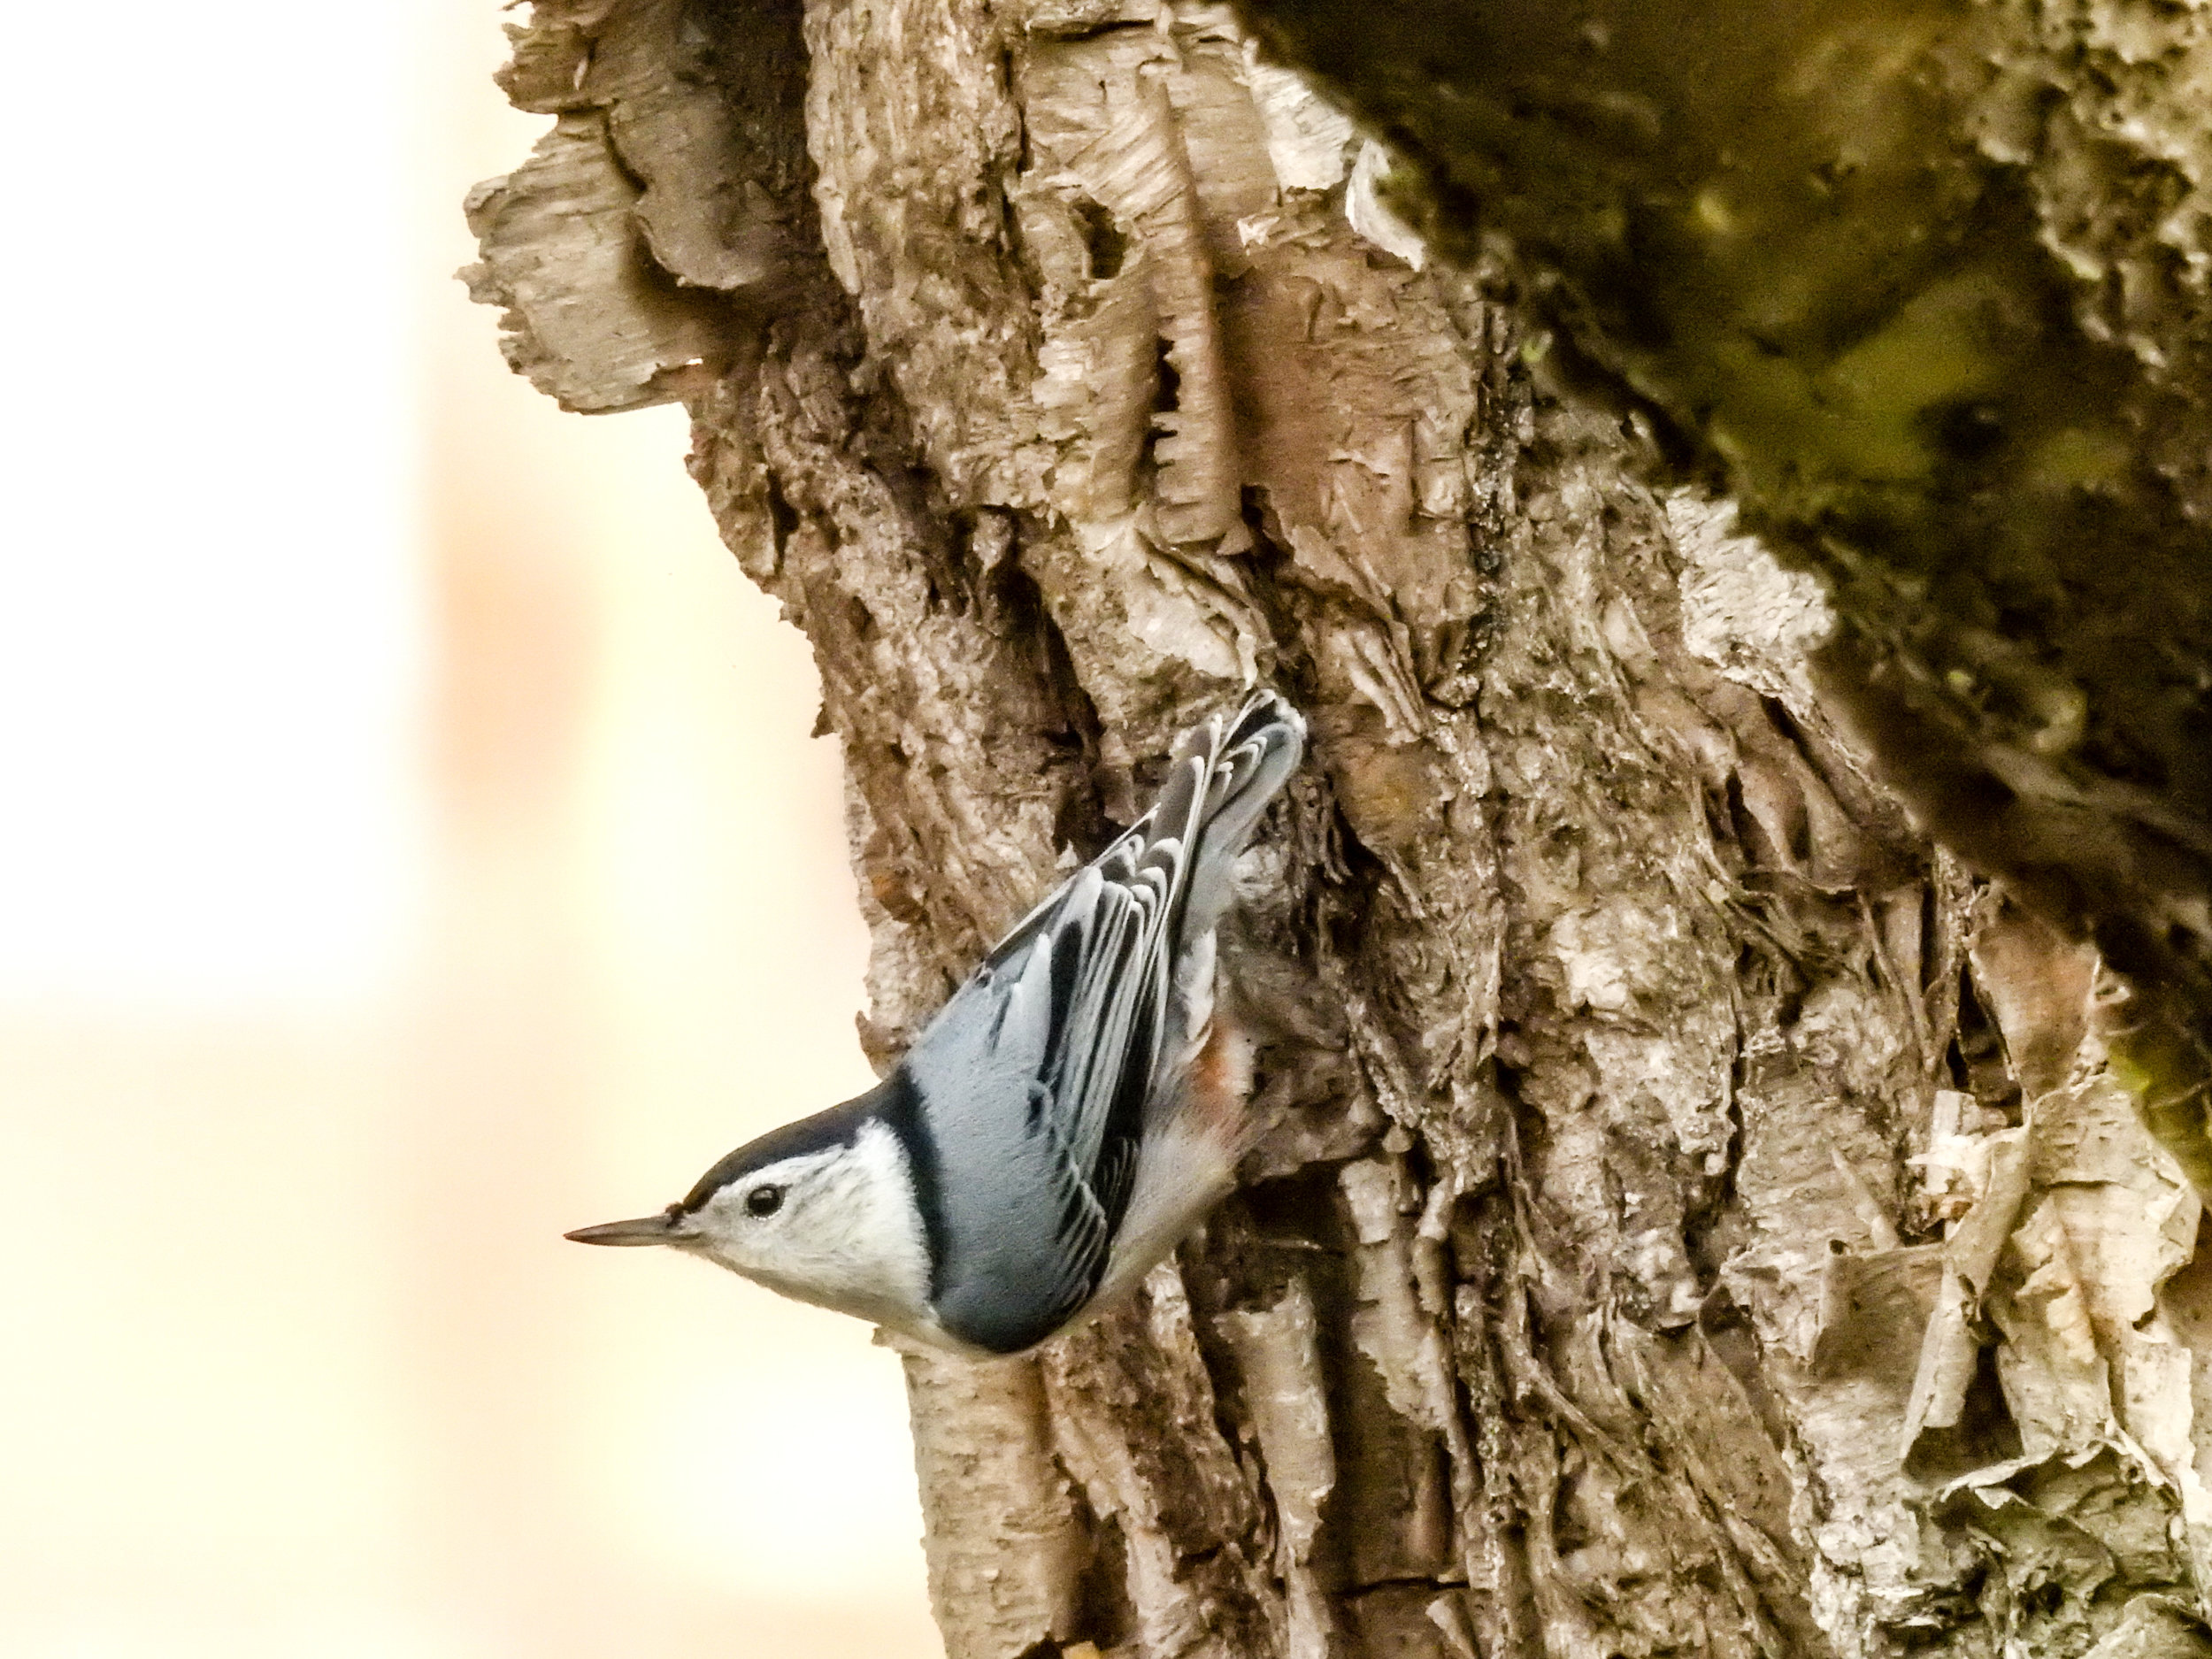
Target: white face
<point x="836" y="1228"/>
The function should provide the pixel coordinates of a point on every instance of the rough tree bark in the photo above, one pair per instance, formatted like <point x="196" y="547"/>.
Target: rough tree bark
<point x="1927" y="285"/>
<point x="1703" y="1218"/>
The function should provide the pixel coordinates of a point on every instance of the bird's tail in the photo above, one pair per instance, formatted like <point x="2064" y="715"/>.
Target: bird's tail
<point x="1225" y="773"/>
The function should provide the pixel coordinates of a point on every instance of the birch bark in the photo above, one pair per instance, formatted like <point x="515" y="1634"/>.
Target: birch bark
<point x="1703" y="1218"/>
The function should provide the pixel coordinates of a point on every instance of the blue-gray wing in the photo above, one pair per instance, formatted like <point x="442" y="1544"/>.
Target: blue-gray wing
<point x="1039" y="1073"/>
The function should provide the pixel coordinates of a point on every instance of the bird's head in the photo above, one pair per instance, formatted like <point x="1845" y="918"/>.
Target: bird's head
<point x="822" y="1210"/>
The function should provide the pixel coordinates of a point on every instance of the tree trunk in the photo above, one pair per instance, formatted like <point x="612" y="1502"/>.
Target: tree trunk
<point x="1928" y="285"/>
<point x="1702" y="1219"/>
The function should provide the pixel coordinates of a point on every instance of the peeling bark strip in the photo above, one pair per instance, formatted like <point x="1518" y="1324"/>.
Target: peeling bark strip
<point x="1702" y="1219"/>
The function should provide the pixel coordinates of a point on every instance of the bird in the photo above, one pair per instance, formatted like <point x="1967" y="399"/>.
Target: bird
<point x="1058" y="1126"/>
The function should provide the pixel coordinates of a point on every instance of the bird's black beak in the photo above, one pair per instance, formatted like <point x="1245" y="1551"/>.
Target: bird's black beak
<point x="669" y="1228"/>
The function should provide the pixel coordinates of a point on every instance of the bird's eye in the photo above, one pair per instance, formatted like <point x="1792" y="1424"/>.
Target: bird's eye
<point x="764" y="1201"/>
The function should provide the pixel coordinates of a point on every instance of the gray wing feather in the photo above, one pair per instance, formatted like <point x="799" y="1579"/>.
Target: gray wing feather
<point x="1039" y="1070"/>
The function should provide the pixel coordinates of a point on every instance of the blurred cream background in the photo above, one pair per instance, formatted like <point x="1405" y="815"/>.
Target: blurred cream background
<point x="411" y="847"/>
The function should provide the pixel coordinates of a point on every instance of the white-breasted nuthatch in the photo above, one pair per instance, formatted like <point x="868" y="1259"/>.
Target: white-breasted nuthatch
<point x="1066" y="1118"/>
